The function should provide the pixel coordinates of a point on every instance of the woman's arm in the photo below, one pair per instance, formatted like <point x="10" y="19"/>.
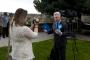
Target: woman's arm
<point x="36" y="28"/>
<point x="32" y="27"/>
<point x="31" y="34"/>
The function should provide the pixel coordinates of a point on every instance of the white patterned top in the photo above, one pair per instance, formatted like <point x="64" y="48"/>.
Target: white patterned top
<point x="21" y="42"/>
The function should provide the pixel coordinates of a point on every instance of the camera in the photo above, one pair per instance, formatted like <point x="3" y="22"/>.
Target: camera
<point x="35" y="20"/>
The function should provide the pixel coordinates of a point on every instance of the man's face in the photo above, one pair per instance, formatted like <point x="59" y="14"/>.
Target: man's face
<point x="57" y="16"/>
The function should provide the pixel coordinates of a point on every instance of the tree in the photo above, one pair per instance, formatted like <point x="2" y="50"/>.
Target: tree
<point x="49" y="6"/>
<point x="46" y="6"/>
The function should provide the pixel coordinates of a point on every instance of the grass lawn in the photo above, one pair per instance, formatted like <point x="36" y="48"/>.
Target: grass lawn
<point x="42" y="50"/>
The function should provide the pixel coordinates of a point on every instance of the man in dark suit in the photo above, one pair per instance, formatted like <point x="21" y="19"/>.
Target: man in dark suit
<point x="60" y="30"/>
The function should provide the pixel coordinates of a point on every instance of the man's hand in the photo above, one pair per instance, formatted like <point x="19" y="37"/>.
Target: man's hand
<point x="58" y="32"/>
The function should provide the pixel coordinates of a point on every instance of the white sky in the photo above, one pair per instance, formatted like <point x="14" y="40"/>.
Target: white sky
<point x="12" y="5"/>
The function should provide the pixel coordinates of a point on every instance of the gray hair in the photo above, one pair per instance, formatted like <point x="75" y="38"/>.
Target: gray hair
<point x="57" y="13"/>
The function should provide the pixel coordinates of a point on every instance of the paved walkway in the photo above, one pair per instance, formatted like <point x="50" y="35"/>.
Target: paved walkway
<point x="43" y="36"/>
<point x="83" y="37"/>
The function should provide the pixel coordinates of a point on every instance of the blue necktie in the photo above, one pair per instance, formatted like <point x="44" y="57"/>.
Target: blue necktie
<point x="59" y="26"/>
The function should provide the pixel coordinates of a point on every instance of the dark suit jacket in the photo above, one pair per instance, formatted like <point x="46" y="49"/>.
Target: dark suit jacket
<point x="60" y="41"/>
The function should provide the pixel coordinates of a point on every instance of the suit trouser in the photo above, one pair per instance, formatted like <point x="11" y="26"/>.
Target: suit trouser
<point x="0" y="31"/>
<point x="5" y="32"/>
<point x="58" y="53"/>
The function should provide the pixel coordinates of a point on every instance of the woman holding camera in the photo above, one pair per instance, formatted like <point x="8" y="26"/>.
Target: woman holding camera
<point x="21" y="36"/>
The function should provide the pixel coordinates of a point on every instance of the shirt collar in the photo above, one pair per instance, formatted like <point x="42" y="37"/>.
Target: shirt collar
<point x="59" y="21"/>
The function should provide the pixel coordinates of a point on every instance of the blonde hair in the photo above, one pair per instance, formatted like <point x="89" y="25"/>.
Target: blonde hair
<point x="19" y="12"/>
